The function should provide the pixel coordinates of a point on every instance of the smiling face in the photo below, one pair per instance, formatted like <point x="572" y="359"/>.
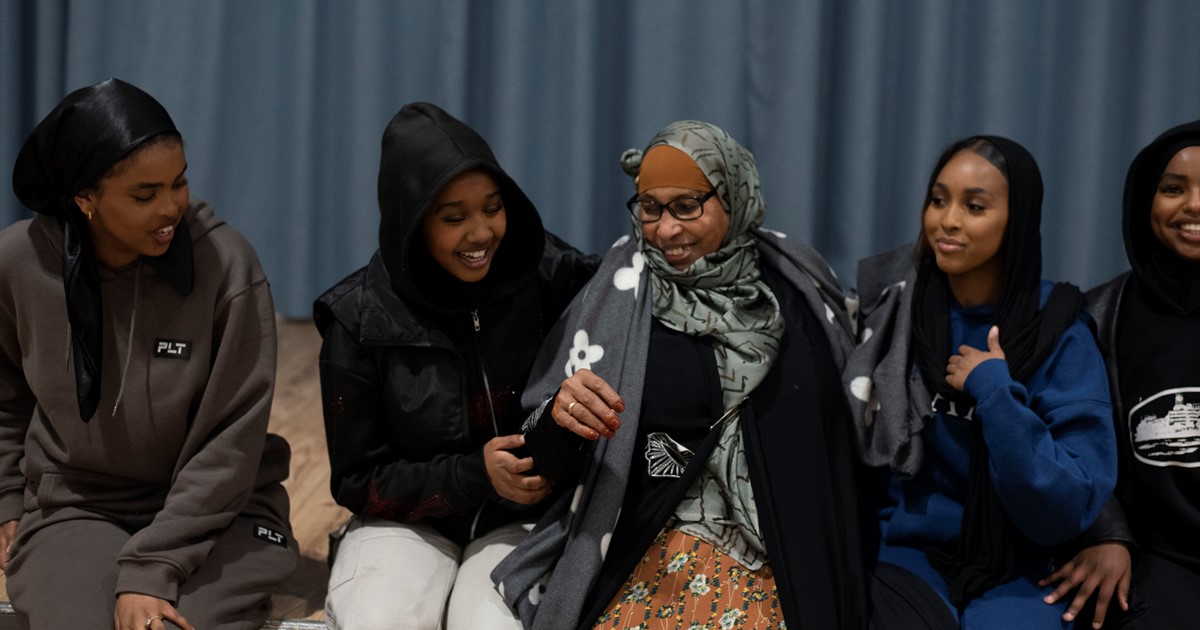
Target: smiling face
<point x="964" y="224"/>
<point x="1175" y="210"/>
<point x="684" y="242"/>
<point x="465" y="224"/>
<point x="133" y="211"/>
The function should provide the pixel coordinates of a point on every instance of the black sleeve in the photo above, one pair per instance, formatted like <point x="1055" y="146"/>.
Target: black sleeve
<point x="559" y="453"/>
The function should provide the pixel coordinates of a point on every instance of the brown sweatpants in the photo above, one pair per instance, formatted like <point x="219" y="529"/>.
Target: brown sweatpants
<point x="65" y="575"/>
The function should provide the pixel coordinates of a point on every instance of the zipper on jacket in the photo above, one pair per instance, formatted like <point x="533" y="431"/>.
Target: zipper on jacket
<point x="487" y="388"/>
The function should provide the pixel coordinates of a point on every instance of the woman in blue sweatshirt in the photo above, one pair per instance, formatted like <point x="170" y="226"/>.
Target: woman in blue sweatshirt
<point x="980" y="388"/>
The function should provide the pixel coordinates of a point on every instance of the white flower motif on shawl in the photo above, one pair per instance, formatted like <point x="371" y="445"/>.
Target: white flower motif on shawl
<point x="577" y="498"/>
<point x="899" y="286"/>
<point x="621" y="241"/>
<point x="582" y="354"/>
<point x="829" y="314"/>
<point x="627" y="278"/>
<point x="864" y="390"/>
<point x="535" y="593"/>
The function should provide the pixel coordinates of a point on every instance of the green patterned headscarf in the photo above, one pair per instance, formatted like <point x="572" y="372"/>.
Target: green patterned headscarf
<point x="721" y="295"/>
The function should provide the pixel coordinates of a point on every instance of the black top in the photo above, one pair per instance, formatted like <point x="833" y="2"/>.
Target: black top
<point x="1160" y="388"/>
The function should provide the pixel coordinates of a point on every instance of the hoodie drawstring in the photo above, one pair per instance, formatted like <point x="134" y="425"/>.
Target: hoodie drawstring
<point x="137" y="277"/>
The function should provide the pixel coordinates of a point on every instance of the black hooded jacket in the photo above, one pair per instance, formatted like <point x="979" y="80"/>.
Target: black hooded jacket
<point x="418" y="369"/>
<point x="1148" y="324"/>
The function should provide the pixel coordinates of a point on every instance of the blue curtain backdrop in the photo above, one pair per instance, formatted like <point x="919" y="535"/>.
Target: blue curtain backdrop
<point x="845" y="104"/>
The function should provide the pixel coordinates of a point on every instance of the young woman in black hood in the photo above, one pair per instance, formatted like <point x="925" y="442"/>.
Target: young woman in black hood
<point x="1149" y="330"/>
<point x="426" y="352"/>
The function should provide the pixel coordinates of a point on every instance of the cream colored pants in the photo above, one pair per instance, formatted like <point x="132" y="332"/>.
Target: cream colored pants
<point x="408" y="576"/>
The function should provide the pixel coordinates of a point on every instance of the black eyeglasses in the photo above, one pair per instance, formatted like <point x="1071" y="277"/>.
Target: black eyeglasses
<point x="687" y="208"/>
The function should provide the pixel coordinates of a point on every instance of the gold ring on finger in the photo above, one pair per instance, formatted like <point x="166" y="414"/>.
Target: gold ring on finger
<point x="570" y="407"/>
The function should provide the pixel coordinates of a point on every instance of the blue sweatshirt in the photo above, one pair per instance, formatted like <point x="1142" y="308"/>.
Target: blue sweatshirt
<point x="1053" y="453"/>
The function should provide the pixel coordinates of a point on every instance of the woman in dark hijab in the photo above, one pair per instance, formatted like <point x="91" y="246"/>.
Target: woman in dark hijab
<point x="1149" y="329"/>
<point x="980" y="387"/>
<point x="138" y="484"/>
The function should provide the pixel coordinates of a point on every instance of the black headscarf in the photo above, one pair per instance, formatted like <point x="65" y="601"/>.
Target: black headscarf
<point x="69" y="152"/>
<point x="986" y="552"/>
<point x="1160" y="271"/>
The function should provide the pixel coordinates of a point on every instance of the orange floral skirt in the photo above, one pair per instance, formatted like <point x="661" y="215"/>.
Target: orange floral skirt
<point x="684" y="583"/>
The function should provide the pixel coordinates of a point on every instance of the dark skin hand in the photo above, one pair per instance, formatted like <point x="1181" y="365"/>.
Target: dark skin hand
<point x="960" y="365"/>
<point x="1101" y="569"/>
<point x="8" y="533"/>
<point x="588" y="406"/>
<point x="507" y="471"/>
<point x="133" y="609"/>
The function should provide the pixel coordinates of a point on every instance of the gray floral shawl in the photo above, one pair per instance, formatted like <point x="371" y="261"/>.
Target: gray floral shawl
<point x="606" y="329"/>
<point x="888" y="399"/>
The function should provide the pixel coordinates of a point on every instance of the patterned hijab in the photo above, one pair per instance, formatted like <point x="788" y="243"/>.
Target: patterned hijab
<point x="722" y="294"/>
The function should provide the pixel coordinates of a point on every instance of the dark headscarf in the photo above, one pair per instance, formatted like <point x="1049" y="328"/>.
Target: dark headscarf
<point x="1159" y="270"/>
<point x="69" y="152"/>
<point x="986" y="552"/>
<point x="424" y="149"/>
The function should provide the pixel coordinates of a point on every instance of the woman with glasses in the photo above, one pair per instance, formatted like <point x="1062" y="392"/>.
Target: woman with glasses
<point x="425" y="352"/>
<point x="700" y="430"/>
<point x="978" y="387"/>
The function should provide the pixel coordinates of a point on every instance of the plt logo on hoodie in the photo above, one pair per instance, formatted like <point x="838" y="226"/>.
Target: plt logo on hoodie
<point x="172" y="349"/>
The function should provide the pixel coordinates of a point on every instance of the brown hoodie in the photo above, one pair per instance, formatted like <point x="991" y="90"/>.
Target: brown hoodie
<point x="173" y="449"/>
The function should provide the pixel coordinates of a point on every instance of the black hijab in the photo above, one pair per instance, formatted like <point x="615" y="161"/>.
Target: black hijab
<point x="70" y="151"/>
<point x="1156" y="269"/>
<point x="986" y="552"/>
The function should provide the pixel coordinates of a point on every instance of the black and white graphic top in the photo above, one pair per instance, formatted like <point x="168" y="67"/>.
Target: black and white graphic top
<point x="1165" y="428"/>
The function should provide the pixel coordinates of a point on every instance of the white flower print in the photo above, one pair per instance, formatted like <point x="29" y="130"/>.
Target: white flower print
<point x="582" y="354"/>
<point x="678" y="561"/>
<point x="636" y="593"/>
<point x="730" y="618"/>
<point x="864" y="389"/>
<point x="627" y="278"/>
<point x="699" y="585"/>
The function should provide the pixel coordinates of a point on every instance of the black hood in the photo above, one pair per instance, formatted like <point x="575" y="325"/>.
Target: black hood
<point x="424" y="148"/>
<point x="1176" y="282"/>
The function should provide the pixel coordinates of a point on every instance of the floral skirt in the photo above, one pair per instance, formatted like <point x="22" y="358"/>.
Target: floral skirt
<point x="684" y="583"/>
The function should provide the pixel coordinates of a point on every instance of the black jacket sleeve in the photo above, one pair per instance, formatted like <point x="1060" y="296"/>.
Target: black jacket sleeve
<point x="559" y="453"/>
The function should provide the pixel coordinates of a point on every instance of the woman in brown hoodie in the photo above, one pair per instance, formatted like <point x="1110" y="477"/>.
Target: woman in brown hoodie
<point x="136" y="482"/>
